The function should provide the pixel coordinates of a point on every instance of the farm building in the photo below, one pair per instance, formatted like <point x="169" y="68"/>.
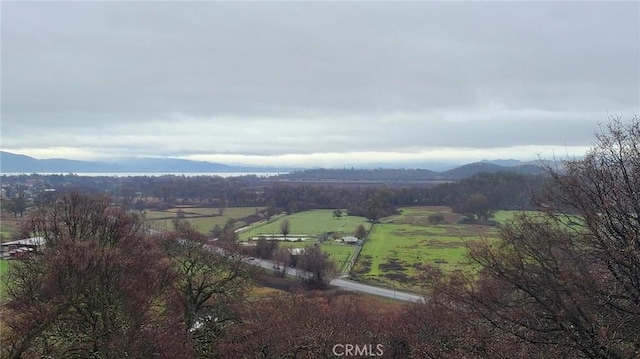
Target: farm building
<point x="289" y="238"/>
<point x="350" y="240"/>
<point x="20" y="247"/>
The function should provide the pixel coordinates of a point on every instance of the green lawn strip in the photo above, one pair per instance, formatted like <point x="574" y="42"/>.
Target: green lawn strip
<point x="504" y="217"/>
<point x="8" y="227"/>
<point x="340" y="253"/>
<point x="232" y="212"/>
<point x="420" y="215"/>
<point x="4" y="267"/>
<point x="312" y="223"/>
<point x="6" y="235"/>
<point x="152" y="215"/>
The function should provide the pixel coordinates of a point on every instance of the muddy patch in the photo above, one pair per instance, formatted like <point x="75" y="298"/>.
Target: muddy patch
<point x="363" y="266"/>
<point x="392" y="264"/>
<point x="399" y="277"/>
<point x="433" y="243"/>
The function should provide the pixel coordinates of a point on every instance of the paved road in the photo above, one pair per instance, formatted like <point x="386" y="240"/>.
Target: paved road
<point x="382" y="292"/>
<point x="351" y="285"/>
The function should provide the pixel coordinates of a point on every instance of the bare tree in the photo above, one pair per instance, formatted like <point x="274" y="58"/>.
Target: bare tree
<point x="223" y="206"/>
<point x="208" y="284"/>
<point x="477" y="207"/>
<point x="320" y="269"/>
<point x="270" y="212"/>
<point x="229" y="233"/>
<point x="285" y="228"/>
<point x="265" y="248"/>
<point x="360" y="232"/>
<point x="571" y="278"/>
<point x="93" y="291"/>
<point x="281" y="260"/>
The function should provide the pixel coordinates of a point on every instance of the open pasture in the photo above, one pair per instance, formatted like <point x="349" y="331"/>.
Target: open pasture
<point x="398" y="247"/>
<point x="311" y="223"/>
<point x="203" y="219"/>
<point x="504" y="217"/>
<point x="9" y="225"/>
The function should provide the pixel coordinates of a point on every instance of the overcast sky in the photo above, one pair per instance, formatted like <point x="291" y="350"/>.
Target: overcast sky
<point x="315" y="84"/>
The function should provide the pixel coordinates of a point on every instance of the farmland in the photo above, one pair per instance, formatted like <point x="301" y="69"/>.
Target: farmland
<point x="8" y="226"/>
<point x="399" y="246"/>
<point x="312" y="223"/>
<point x="202" y="219"/>
<point x="394" y="253"/>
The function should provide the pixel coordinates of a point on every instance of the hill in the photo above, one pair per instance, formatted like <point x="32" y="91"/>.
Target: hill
<point x="14" y="163"/>
<point x="386" y="174"/>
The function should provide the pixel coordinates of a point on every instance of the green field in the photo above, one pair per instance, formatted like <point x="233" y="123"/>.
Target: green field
<point x="400" y="245"/>
<point x="202" y="219"/>
<point x="8" y="226"/>
<point x="4" y="266"/>
<point x="338" y="252"/>
<point x="504" y="217"/>
<point x="312" y="223"/>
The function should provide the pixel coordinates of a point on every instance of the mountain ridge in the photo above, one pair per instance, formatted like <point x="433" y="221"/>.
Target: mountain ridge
<point x="16" y="163"/>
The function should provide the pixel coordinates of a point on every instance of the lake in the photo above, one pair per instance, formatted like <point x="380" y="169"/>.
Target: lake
<point x="156" y="174"/>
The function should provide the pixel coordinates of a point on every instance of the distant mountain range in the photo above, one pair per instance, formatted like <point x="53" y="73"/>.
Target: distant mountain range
<point x="389" y="174"/>
<point x="14" y="163"/>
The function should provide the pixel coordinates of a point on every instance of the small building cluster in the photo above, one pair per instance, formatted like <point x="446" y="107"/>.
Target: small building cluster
<point x="20" y="248"/>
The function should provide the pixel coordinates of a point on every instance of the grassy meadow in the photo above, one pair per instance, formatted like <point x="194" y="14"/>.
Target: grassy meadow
<point x="399" y="246"/>
<point x="8" y="226"/>
<point x="312" y="223"/>
<point x="203" y="219"/>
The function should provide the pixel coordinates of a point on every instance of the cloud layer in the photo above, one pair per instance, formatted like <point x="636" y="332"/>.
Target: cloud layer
<point x="309" y="83"/>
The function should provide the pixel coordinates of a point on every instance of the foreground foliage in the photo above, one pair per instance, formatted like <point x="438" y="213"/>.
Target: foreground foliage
<point x="563" y="284"/>
<point x="95" y="290"/>
<point x="569" y="279"/>
<point x="102" y="288"/>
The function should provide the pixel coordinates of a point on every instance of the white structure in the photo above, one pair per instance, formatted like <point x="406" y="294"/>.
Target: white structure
<point x="19" y="247"/>
<point x="350" y="240"/>
<point x="274" y="237"/>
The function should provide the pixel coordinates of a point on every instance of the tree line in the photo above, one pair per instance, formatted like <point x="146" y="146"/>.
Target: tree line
<point x="503" y="190"/>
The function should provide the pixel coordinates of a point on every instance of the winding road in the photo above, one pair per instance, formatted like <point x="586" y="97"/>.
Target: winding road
<point x="351" y="285"/>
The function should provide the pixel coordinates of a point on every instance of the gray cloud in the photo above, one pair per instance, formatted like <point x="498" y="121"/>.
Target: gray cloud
<point x="198" y="78"/>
